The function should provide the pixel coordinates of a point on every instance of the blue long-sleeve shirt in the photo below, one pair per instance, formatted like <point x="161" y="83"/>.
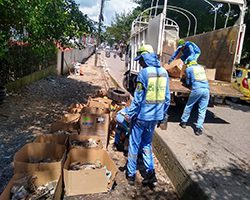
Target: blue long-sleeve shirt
<point x="196" y="77"/>
<point x="190" y="51"/>
<point x="152" y="95"/>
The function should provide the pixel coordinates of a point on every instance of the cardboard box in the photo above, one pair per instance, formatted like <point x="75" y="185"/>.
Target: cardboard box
<point x="175" y="68"/>
<point x="51" y="138"/>
<point x="85" y="138"/>
<point x="99" y="102"/>
<point x="39" y="151"/>
<point x="95" y="121"/>
<point x="210" y="73"/>
<point x="88" y="181"/>
<point x="69" y="122"/>
<point x="42" y="178"/>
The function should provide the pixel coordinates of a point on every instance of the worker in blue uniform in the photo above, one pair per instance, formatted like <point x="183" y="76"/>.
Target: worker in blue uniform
<point x="196" y="79"/>
<point x="148" y="108"/>
<point x="121" y="131"/>
<point x="190" y="51"/>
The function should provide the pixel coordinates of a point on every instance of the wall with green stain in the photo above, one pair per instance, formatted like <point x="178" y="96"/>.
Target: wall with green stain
<point x="27" y="80"/>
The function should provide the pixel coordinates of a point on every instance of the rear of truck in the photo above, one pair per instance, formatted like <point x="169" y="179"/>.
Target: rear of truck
<point x="221" y="50"/>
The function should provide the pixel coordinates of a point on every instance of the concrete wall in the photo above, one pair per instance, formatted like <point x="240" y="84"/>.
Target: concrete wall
<point x="70" y="56"/>
<point x="26" y="80"/>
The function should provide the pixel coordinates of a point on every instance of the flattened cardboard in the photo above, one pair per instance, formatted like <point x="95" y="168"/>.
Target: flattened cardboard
<point x="88" y="181"/>
<point x="210" y="73"/>
<point x="39" y="151"/>
<point x="95" y="121"/>
<point x="43" y="177"/>
<point x="51" y="138"/>
<point x="85" y="138"/>
<point x="76" y="108"/>
<point x="99" y="102"/>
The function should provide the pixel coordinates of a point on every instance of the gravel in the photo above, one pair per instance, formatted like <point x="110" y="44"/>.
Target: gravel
<point x="30" y="112"/>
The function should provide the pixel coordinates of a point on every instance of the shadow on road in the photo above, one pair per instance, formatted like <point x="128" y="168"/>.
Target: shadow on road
<point x="231" y="182"/>
<point x="175" y="113"/>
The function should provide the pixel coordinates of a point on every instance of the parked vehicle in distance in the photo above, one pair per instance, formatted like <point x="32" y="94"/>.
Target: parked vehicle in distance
<point x="242" y="82"/>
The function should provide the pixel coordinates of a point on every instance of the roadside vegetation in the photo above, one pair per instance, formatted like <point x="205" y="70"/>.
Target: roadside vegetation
<point x="30" y="31"/>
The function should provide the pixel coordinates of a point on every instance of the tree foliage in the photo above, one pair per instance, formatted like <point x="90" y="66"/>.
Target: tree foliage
<point x="41" y="22"/>
<point x="121" y="26"/>
<point x="29" y="30"/>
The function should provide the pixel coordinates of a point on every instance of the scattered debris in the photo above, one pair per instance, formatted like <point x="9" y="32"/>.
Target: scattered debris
<point x="89" y="143"/>
<point x="25" y="188"/>
<point x="83" y="165"/>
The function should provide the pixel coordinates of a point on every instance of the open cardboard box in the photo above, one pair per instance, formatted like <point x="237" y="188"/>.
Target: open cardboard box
<point x="69" y="122"/>
<point x="51" y="138"/>
<point x="83" y="138"/>
<point x="43" y="177"/>
<point x="95" y="121"/>
<point x="39" y="151"/>
<point x="88" y="181"/>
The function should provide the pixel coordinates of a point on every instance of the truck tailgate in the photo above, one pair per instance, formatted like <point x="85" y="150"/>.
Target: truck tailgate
<point x="217" y="88"/>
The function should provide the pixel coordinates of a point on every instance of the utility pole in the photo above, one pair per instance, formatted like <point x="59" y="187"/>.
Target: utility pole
<point x="99" y="30"/>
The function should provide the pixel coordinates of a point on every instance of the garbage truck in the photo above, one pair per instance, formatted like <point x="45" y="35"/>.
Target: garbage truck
<point x="221" y="49"/>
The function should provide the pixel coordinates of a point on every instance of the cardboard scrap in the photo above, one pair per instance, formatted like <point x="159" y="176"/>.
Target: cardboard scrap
<point x="34" y="181"/>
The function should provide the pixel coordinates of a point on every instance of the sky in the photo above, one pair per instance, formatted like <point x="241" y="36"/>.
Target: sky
<point x="92" y="8"/>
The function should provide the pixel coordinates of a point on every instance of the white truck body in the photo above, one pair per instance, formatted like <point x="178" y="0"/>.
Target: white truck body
<point x="222" y="53"/>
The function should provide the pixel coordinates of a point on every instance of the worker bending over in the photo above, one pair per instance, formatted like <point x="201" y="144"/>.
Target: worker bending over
<point x="190" y="51"/>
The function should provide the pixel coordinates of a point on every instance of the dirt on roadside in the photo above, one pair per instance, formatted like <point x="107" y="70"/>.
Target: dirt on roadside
<point x="30" y="112"/>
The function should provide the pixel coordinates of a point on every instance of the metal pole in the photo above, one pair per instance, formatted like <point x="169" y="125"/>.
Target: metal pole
<point x="165" y="7"/>
<point x="189" y="21"/>
<point x="215" y="12"/>
<point x="99" y="30"/>
<point x="228" y="14"/>
<point x="195" y="19"/>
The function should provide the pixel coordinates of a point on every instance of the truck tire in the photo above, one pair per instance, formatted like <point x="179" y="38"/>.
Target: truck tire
<point x="118" y="94"/>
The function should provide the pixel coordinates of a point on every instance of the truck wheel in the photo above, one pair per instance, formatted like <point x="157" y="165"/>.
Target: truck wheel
<point x="118" y="94"/>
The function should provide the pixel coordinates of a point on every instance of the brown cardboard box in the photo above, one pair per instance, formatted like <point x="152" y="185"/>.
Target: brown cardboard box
<point x="95" y="121"/>
<point x="69" y="122"/>
<point x="43" y="177"/>
<point x="51" y="138"/>
<point x="39" y="151"/>
<point x="88" y="181"/>
<point x="210" y="73"/>
<point x="83" y="138"/>
<point x="175" y="68"/>
<point x="99" y="102"/>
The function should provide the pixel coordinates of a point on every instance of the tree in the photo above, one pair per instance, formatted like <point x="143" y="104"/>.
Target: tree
<point x="121" y="26"/>
<point x="41" y="22"/>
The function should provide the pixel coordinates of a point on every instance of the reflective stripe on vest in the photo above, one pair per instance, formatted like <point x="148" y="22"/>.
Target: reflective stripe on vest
<point x="156" y="90"/>
<point x="200" y="74"/>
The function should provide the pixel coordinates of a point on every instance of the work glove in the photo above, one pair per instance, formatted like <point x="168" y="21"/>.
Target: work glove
<point x="163" y="121"/>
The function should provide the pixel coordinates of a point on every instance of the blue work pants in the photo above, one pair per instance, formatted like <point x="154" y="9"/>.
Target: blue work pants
<point x="140" y="139"/>
<point x="200" y="96"/>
